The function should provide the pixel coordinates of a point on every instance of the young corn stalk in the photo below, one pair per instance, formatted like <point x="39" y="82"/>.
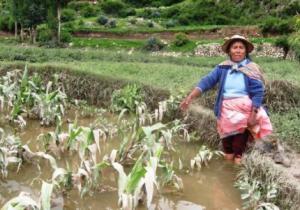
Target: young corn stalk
<point x="139" y="182"/>
<point x="49" y="104"/>
<point x="203" y="157"/>
<point x="84" y="140"/>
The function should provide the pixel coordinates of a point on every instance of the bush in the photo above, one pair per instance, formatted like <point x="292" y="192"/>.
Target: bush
<point x="102" y="20"/>
<point x="113" y="6"/>
<point x="44" y="33"/>
<point x="127" y="12"/>
<point x="183" y="20"/>
<point x="81" y="22"/>
<point x="89" y="11"/>
<point x="65" y="36"/>
<point x="284" y="44"/>
<point x="150" y="24"/>
<point x="78" y="6"/>
<point x="68" y="15"/>
<point x="294" y="42"/>
<point x="181" y="39"/>
<point x="133" y="21"/>
<point x="171" y="12"/>
<point x="277" y="26"/>
<point x="111" y="23"/>
<point x="127" y="98"/>
<point x="20" y="57"/>
<point x="6" y="23"/>
<point x="146" y="13"/>
<point x="69" y="27"/>
<point x="155" y="14"/>
<point x="154" y="44"/>
<point x="170" y="23"/>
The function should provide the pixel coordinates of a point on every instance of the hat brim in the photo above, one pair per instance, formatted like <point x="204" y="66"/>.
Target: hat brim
<point x="227" y="43"/>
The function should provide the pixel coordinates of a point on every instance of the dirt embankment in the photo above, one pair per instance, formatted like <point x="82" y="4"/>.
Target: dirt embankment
<point x="4" y="33"/>
<point x="250" y="31"/>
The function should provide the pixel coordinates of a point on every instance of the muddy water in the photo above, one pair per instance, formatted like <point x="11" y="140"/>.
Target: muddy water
<point x="210" y="188"/>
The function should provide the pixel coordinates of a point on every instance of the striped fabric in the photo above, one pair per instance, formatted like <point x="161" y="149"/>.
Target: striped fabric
<point x="235" y="113"/>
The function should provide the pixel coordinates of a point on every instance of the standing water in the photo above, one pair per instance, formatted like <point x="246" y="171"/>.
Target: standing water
<point x="210" y="188"/>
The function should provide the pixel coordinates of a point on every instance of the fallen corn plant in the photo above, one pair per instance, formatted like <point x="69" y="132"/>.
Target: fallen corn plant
<point x="24" y="201"/>
<point x="9" y="152"/>
<point x="203" y="156"/>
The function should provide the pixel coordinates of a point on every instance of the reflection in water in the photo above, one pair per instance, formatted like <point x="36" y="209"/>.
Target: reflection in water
<point x="211" y="188"/>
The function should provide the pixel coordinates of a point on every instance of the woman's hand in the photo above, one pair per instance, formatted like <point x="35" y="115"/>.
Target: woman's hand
<point x="184" y="105"/>
<point x="252" y="121"/>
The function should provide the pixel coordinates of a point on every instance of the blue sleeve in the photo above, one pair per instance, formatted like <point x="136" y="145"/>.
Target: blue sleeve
<point x="256" y="92"/>
<point x="210" y="80"/>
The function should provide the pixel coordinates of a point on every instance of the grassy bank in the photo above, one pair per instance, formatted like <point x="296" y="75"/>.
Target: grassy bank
<point x="287" y="127"/>
<point x="164" y="73"/>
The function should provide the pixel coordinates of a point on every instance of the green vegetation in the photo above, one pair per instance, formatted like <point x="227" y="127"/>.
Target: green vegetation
<point x="287" y="127"/>
<point x="167" y="72"/>
<point x="129" y="97"/>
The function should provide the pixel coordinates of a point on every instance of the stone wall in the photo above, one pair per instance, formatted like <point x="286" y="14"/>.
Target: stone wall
<point x="260" y="50"/>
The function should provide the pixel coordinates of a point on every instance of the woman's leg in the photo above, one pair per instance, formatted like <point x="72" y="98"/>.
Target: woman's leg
<point x="227" y="147"/>
<point x="239" y="144"/>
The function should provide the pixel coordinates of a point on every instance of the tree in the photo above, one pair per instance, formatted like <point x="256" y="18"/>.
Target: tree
<point x="54" y="16"/>
<point x="28" y="14"/>
<point x="33" y="13"/>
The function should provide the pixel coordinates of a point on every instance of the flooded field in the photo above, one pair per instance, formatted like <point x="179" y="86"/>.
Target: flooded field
<point x="209" y="188"/>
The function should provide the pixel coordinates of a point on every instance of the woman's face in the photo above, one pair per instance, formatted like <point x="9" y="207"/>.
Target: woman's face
<point x="237" y="51"/>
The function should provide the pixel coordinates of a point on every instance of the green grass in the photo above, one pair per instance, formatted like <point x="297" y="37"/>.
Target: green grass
<point x="171" y="73"/>
<point x="287" y="127"/>
<point x="107" y="43"/>
<point x="166" y="75"/>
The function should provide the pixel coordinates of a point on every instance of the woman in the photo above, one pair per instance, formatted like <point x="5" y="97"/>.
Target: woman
<point x="238" y="106"/>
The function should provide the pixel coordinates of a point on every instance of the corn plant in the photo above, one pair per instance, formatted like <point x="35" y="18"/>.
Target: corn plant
<point x="24" y="96"/>
<point x="9" y="152"/>
<point x="126" y="98"/>
<point x="169" y="177"/>
<point x="8" y="89"/>
<point x="139" y="182"/>
<point x="85" y="140"/>
<point x="203" y="157"/>
<point x="49" y="104"/>
<point x="24" y="201"/>
<point x="85" y="179"/>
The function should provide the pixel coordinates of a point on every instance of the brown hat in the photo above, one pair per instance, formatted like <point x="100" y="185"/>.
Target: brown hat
<point x="227" y="43"/>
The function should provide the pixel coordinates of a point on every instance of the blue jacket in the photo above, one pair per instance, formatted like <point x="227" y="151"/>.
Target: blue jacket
<point x="255" y="88"/>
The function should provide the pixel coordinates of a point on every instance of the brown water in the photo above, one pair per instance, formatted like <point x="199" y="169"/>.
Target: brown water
<point x="210" y="188"/>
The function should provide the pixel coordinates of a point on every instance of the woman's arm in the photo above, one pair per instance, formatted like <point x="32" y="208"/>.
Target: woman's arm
<point x="186" y="102"/>
<point x="206" y="83"/>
